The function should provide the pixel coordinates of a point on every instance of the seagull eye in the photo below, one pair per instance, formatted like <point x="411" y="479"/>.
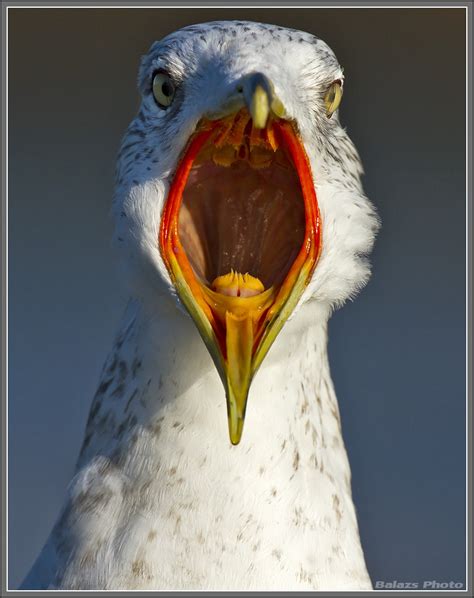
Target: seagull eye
<point x="333" y="97"/>
<point x="163" y="89"/>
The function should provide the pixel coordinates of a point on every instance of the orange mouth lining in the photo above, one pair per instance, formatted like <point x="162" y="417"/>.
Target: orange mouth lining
<point x="226" y="145"/>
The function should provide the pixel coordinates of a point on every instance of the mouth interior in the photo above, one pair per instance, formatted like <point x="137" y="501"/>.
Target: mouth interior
<point x="242" y="210"/>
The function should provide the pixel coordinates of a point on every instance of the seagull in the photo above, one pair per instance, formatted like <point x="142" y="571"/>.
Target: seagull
<point x="240" y="225"/>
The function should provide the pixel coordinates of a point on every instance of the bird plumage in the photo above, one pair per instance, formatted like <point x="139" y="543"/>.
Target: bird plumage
<point x="160" y="499"/>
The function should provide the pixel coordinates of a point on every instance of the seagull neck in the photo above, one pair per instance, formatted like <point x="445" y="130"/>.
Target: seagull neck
<point x="160" y="393"/>
<point x="159" y="418"/>
<point x="174" y="393"/>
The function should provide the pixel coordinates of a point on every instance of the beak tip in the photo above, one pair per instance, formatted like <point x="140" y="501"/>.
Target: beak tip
<point x="259" y="124"/>
<point x="235" y="435"/>
<point x="236" y="427"/>
<point x="259" y="108"/>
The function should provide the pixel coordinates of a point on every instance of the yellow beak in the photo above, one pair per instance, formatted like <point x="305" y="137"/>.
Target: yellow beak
<point x="238" y="320"/>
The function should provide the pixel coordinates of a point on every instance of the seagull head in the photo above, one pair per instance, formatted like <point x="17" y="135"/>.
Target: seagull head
<point x="238" y="192"/>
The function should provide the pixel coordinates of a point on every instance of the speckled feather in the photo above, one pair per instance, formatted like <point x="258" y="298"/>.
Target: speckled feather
<point x="160" y="499"/>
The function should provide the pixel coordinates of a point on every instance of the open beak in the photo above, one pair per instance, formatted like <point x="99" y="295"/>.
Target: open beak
<point x="240" y="234"/>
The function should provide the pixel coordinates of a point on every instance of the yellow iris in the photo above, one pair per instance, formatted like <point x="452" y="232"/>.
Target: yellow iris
<point x="333" y="97"/>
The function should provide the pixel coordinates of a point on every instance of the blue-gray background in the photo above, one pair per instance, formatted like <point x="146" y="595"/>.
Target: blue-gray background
<point x="397" y="352"/>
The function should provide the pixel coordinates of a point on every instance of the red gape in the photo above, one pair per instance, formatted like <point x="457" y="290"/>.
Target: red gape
<point x="235" y="131"/>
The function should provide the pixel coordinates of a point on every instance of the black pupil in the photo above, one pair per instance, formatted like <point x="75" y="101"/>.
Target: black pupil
<point x="167" y="88"/>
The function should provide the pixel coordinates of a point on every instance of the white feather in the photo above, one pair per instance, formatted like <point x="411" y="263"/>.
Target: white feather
<point x="161" y="500"/>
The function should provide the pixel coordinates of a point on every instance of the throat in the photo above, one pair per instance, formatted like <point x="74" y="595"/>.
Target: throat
<point x="161" y="406"/>
<point x="160" y="381"/>
<point x="161" y="426"/>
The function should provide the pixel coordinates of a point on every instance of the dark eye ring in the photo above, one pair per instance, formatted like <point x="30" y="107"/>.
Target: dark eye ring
<point x="163" y="89"/>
